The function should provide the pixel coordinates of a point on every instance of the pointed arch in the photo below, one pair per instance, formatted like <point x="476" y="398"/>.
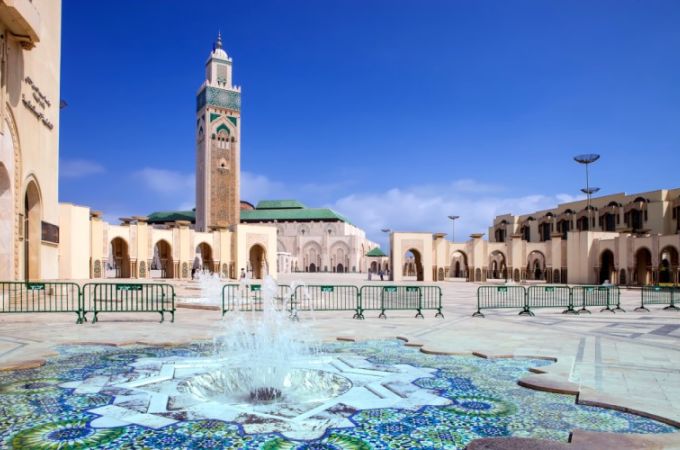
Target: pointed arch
<point x="32" y="228"/>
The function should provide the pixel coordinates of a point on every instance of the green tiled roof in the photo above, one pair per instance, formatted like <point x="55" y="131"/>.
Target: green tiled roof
<point x="171" y="216"/>
<point x="280" y="204"/>
<point x="266" y="211"/>
<point x="376" y="252"/>
<point x="290" y="214"/>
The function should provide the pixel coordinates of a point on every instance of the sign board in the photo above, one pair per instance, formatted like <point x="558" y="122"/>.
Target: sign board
<point x="502" y="289"/>
<point x="589" y="289"/>
<point x="550" y="289"/>
<point x="390" y="289"/>
<point x="35" y="286"/>
<point x="50" y="233"/>
<point x="128" y="287"/>
<point x="412" y="288"/>
<point x="327" y="288"/>
<point x="255" y="287"/>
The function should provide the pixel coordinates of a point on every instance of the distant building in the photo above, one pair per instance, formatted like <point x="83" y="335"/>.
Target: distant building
<point x="308" y="239"/>
<point x="624" y="239"/>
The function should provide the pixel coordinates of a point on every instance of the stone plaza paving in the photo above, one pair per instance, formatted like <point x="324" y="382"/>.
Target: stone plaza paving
<point x="629" y="361"/>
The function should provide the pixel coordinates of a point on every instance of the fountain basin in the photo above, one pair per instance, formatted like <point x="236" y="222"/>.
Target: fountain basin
<point x="299" y="385"/>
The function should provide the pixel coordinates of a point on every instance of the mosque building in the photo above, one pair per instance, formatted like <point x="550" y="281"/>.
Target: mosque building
<point x="222" y="234"/>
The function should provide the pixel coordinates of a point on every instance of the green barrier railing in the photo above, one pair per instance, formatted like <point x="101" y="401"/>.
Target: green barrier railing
<point x="432" y="299"/>
<point x="607" y="297"/>
<point x="550" y="297"/>
<point x="324" y="298"/>
<point x="128" y="298"/>
<point x="240" y="297"/>
<point x="414" y="298"/>
<point x="659" y="295"/>
<point x="495" y="297"/>
<point x="41" y="297"/>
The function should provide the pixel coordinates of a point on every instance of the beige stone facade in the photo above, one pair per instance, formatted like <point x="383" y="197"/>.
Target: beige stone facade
<point x="30" y="55"/>
<point x="137" y="249"/>
<point x="621" y="239"/>
<point x="318" y="246"/>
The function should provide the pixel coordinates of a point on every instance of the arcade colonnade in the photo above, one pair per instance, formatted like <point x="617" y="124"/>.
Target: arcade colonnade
<point x="583" y="258"/>
<point x="136" y="249"/>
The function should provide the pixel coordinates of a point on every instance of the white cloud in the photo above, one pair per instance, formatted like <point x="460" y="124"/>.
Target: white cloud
<point x="167" y="182"/>
<point x="256" y="187"/>
<point x="76" y="168"/>
<point x="427" y="207"/>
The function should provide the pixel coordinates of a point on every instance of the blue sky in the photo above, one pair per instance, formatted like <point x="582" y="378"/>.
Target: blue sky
<point x="395" y="113"/>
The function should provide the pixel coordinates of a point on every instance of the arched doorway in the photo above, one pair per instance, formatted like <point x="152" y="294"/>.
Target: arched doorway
<point x="643" y="267"/>
<point x="32" y="231"/>
<point x="204" y="252"/>
<point x="459" y="266"/>
<point x="162" y="265"/>
<point x="374" y="267"/>
<point x="536" y="266"/>
<point x="668" y="265"/>
<point x="258" y="262"/>
<point x="339" y="255"/>
<point x="497" y="266"/>
<point x="6" y="225"/>
<point x="312" y="256"/>
<point x="118" y="264"/>
<point x="607" y="269"/>
<point x="414" y="265"/>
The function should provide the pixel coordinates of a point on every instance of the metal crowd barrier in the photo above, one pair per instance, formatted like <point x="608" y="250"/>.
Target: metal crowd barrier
<point x="550" y="297"/>
<point x="607" y="297"/>
<point x="103" y="297"/>
<point x="659" y="295"/>
<point x="416" y="298"/>
<point x="324" y="298"/>
<point x="41" y="297"/>
<point x="127" y="298"/>
<point x="240" y="297"/>
<point x="336" y="298"/>
<point x="495" y="297"/>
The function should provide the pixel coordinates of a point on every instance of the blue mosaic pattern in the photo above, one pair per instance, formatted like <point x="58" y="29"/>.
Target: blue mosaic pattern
<point x="35" y="413"/>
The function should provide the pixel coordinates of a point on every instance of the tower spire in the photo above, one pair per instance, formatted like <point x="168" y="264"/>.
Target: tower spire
<point x="218" y="44"/>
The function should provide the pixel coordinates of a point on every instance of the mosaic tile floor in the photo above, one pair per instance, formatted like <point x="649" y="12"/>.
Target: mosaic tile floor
<point x="36" y="413"/>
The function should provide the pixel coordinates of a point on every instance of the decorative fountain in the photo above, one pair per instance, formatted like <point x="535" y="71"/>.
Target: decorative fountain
<point x="259" y="356"/>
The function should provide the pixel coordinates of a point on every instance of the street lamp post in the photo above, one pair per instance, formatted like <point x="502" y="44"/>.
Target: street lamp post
<point x="586" y="160"/>
<point x="453" y="227"/>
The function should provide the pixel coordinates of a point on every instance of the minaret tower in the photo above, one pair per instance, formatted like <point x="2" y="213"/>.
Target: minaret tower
<point x="218" y="144"/>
